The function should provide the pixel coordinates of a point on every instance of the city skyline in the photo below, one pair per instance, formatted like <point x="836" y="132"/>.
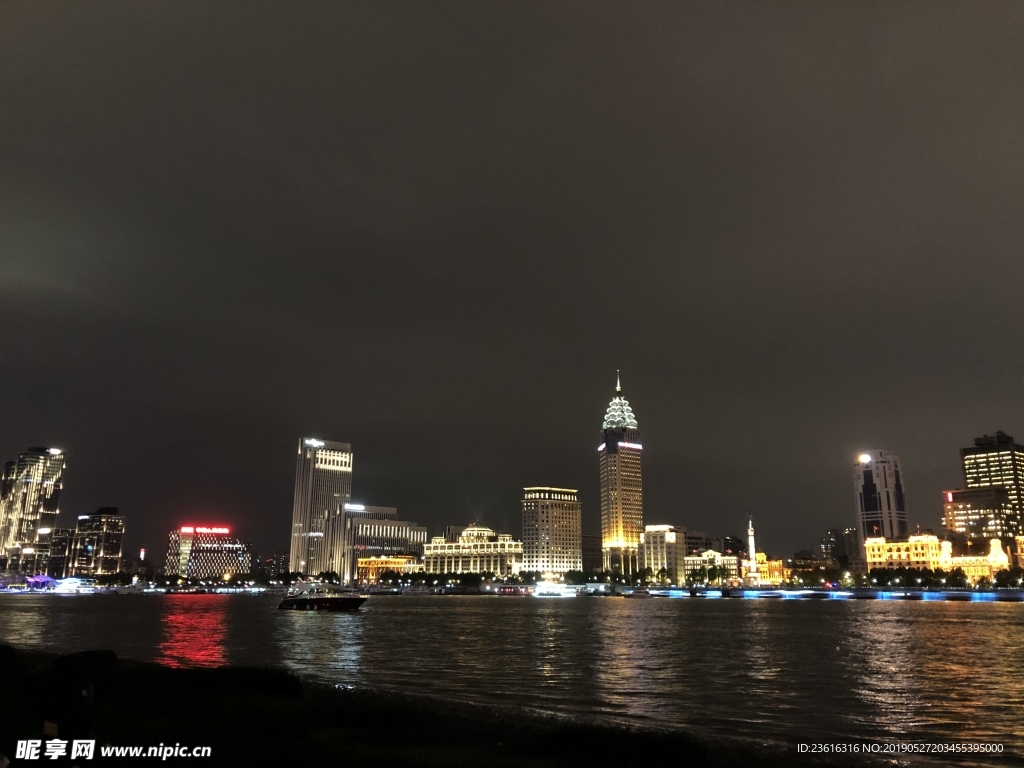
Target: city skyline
<point x="758" y="236"/>
<point x="337" y="555"/>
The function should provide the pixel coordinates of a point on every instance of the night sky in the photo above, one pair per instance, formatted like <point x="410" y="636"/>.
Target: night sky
<point x="435" y="231"/>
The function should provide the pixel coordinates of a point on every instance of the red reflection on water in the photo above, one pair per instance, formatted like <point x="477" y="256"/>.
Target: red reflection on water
<point x="194" y="628"/>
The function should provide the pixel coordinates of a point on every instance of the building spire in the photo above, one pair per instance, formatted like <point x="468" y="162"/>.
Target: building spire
<point x="618" y="381"/>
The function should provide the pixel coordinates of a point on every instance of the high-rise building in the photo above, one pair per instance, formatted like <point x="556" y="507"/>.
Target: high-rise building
<point x="879" y="498"/>
<point x="663" y="549"/>
<point x="95" y="548"/>
<point x="979" y="513"/>
<point x="838" y="545"/>
<point x="726" y="545"/>
<point x="323" y="485"/>
<point x="206" y="552"/>
<point x="590" y="543"/>
<point x="696" y="541"/>
<point x="622" y="499"/>
<point x="996" y="460"/>
<point x="29" y="491"/>
<point x="369" y="531"/>
<point x="552" y="518"/>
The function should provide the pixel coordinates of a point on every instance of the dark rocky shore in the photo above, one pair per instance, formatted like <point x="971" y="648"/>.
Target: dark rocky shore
<point x="259" y="716"/>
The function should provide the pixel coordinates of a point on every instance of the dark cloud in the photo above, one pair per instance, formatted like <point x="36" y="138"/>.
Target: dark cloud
<point x="436" y="230"/>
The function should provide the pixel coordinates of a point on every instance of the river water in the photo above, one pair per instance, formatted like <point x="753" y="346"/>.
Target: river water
<point x="780" y="671"/>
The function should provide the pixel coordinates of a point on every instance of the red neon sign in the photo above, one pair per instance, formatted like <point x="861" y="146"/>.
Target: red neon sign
<point x="202" y="529"/>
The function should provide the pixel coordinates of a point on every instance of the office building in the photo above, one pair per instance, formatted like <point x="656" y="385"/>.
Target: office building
<point x="277" y="565"/>
<point x="590" y="544"/>
<point x="206" y="552"/>
<point x="927" y="551"/>
<point x="29" y="493"/>
<point x="726" y="545"/>
<point x="879" y="500"/>
<point x="622" y="501"/>
<point x="997" y="461"/>
<point x="478" y="550"/>
<point x="323" y="485"/>
<point x="369" y="531"/>
<point x="979" y="513"/>
<point x="552" y="518"/>
<point x="696" y="541"/>
<point x="663" y="550"/>
<point x="92" y="549"/>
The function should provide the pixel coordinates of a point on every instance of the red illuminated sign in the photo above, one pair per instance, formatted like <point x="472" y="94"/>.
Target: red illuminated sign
<point x="202" y="529"/>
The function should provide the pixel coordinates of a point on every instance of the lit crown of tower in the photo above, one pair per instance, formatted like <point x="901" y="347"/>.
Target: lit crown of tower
<point x="619" y="414"/>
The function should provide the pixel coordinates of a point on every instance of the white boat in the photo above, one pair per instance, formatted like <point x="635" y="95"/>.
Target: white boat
<point x="554" y="589"/>
<point x="323" y="597"/>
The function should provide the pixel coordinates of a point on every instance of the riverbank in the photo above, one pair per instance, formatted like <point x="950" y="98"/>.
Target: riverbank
<point x="263" y="716"/>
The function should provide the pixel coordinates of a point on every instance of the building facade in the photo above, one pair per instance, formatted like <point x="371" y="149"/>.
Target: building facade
<point x="663" y="549"/>
<point x="979" y="513"/>
<point x="478" y="550"/>
<point x="590" y="544"/>
<point x="879" y="499"/>
<point x="552" y="521"/>
<point x="29" y="494"/>
<point x="769" y="573"/>
<point x="727" y="567"/>
<point x="369" y="531"/>
<point x="92" y="549"/>
<point x="928" y="551"/>
<point x="369" y="569"/>
<point x="622" y="500"/>
<point x="206" y="552"/>
<point x="997" y="461"/>
<point x="323" y="485"/>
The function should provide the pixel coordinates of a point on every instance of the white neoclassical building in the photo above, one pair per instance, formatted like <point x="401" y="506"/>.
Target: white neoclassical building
<point x="477" y="550"/>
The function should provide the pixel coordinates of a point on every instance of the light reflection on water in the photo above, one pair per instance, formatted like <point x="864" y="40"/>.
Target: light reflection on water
<point x="781" y="670"/>
<point x="194" y="628"/>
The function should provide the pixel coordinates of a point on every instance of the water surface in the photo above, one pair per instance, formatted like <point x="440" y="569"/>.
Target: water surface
<point x="781" y="671"/>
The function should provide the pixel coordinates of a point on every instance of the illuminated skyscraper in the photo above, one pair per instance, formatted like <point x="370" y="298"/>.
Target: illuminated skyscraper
<point x="29" y="491"/>
<point x="879" y="498"/>
<point x="551" y="530"/>
<point x="622" y="499"/>
<point x="997" y="461"/>
<point x="93" y="549"/>
<point x="323" y="485"/>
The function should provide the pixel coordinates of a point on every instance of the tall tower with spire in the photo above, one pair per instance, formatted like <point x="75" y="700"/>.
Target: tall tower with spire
<point x="622" y="498"/>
